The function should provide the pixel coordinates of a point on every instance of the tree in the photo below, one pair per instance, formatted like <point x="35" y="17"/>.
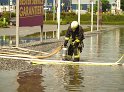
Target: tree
<point x="122" y="5"/>
<point x="105" y="5"/>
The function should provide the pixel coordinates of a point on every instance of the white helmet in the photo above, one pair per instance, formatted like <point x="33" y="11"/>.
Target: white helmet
<point x="74" y="24"/>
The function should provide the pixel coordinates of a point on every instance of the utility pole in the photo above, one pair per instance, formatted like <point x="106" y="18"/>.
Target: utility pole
<point x="98" y="10"/>
<point x="54" y="10"/>
<point x="79" y="12"/>
<point x="70" y="4"/>
<point x="92" y="16"/>
<point x="10" y="5"/>
<point x="17" y="23"/>
<point x="45" y="8"/>
<point x="58" y="20"/>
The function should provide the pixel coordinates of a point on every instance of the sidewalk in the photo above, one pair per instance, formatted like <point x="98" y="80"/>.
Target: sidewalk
<point x="30" y="30"/>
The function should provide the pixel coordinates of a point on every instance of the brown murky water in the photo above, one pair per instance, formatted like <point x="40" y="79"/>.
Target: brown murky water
<point x="19" y="76"/>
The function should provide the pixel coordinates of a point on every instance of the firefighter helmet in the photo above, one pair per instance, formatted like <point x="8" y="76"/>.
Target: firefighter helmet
<point x="74" y="24"/>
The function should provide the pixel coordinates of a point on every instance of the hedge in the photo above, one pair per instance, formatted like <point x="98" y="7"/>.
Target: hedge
<point x="86" y="18"/>
<point x="67" y="18"/>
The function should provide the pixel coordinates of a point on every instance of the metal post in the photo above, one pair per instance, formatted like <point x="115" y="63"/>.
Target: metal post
<point x="41" y="34"/>
<point x="10" y="5"/>
<point x="79" y="7"/>
<point x="53" y="10"/>
<point x="17" y="23"/>
<point x="98" y="15"/>
<point x="70" y="5"/>
<point x="53" y="34"/>
<point x="92" y="16"/>
<point x="45" y="8"/>
<point x="58" y="20"/>
<point x="45" y="35"/>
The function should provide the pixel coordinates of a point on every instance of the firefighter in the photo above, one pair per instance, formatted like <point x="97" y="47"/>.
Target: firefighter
<point x="74" y="36"/>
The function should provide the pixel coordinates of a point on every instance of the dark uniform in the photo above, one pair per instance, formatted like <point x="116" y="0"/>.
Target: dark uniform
<point x="75" y="37"/>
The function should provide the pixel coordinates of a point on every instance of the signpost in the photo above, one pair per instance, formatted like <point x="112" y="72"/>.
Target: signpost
<point x="28" y="13"/>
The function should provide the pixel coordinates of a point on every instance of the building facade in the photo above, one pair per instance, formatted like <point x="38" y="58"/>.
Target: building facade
<point x="66" y="5"/>
<point x="7" y="5"/>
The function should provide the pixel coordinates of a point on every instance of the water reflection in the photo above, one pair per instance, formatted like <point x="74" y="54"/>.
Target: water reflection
<point x="98" y="44"/>
<point x="104" y="47"/>
<point x="121" y="41"/>
<point x="30" y="81"/>
<point x="73" y="79"/>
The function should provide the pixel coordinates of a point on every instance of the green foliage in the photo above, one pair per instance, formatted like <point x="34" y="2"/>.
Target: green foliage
<point x="50" y="22"/>
<point x="95" y="6"/>
<point x="6" y="15"/>
<point x="13" y="14"/>
<point x="105" y="5"/>
<point x="49" y="16"/>
<point x="3" y="25"/>
<point x="67" y="18"/>
<point x="113" y="23"/>
<point x="113" y="18"/>
<point x="122" y="5"/>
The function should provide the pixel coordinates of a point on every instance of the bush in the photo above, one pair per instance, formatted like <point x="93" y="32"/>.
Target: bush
<point x="113" y="18"/>
<point x="13" y="14"/>
<point x="3" y="25"/>
<point x="6" y="15"/>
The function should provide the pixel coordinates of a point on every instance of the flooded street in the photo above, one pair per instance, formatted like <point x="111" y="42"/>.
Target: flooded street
<point x="19" y="76"/>
<point x="104" y="47"/>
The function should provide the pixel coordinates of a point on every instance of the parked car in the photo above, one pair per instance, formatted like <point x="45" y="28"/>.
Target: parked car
<point x="12" y="21"/>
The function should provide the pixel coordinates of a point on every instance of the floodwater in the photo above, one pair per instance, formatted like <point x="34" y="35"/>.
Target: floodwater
<point x="17" y="76"/>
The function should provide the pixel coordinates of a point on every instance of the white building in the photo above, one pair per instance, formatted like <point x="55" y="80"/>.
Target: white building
<point x="11" y="8"/>
<point x="115" y="5"/>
